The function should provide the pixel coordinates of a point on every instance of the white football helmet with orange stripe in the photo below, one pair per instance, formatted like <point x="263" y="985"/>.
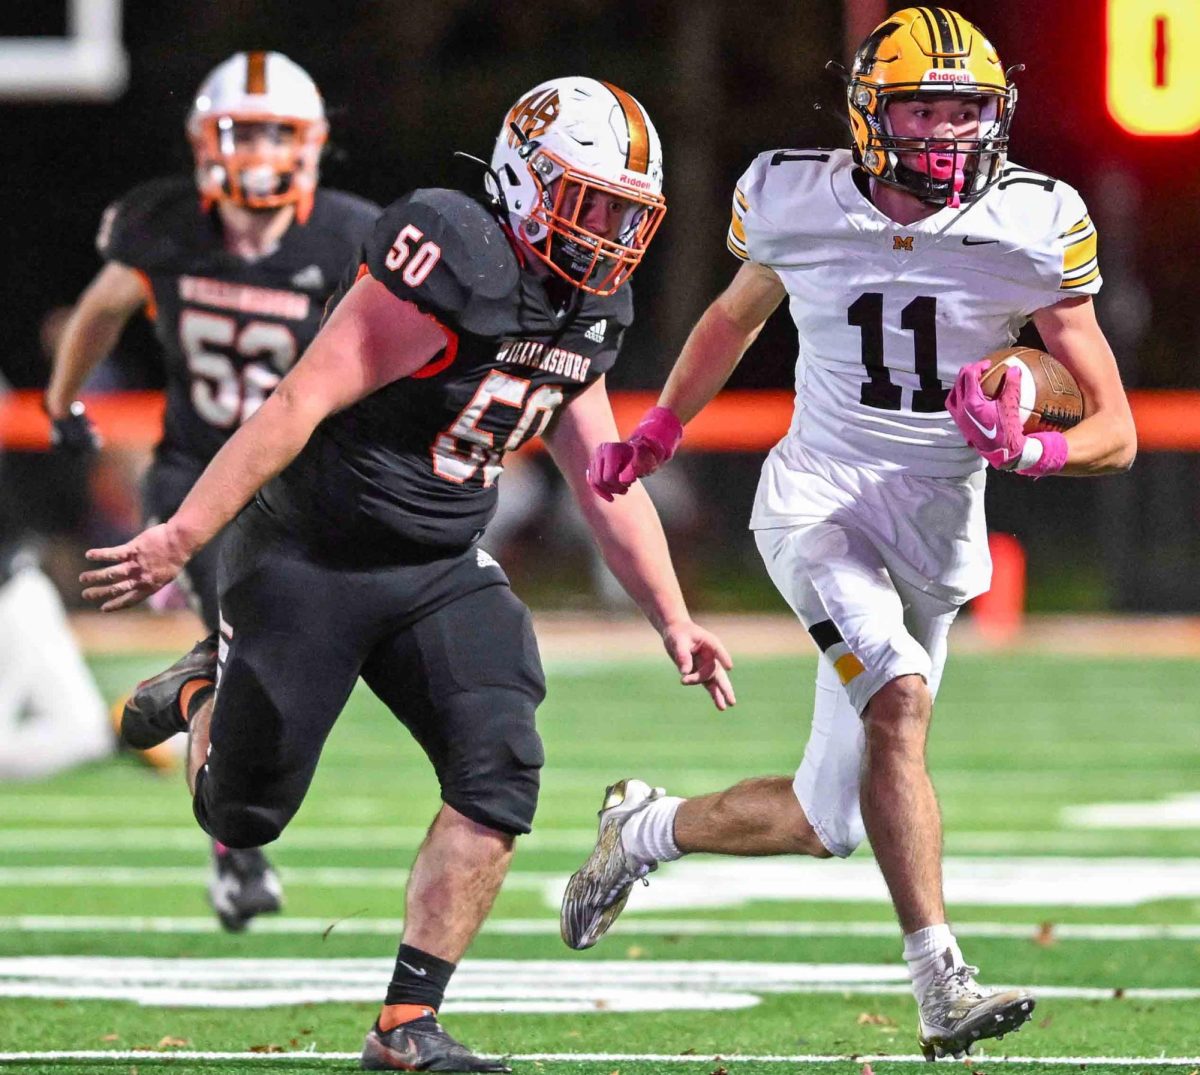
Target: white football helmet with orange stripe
<point x="563" y="142"/>
<point x="257" y="127"/>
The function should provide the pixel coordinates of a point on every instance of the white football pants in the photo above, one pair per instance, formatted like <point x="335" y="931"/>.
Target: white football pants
<point x="871" y="627"/>
<point x="51" y="713"/>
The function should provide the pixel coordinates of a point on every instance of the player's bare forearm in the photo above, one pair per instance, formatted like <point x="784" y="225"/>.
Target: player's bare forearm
<point x="631" y="540"/>
<point x="712" y="352"/>
<point x="258" y="451"/>
<point x="91" y="333"/>
<point x="1105" y="442"/>
<point x="716" y="345"/>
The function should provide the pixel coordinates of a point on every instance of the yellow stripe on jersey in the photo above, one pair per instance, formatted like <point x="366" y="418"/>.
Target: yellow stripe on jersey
<point x="736" y="239"/>
<point x="847" y="667"/>
<point x="1080" y="263"/>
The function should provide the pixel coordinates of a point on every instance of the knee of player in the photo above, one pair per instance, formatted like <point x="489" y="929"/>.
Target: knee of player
<point x="900" y="709"/>
<point x="495" y="777"/>
<point x="239" y="825"/>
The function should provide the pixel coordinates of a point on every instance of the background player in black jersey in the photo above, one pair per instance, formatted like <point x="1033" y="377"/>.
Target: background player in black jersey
<point x="234" y="268"/>
<point x="370" y="473"/>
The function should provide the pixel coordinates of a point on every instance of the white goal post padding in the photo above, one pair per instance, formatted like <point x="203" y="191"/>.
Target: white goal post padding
<point x="89" y="64"/>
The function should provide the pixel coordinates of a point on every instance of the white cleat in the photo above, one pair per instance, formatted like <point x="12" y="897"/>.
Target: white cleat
<point x="597" y="891"/>
<point x="955" y="1013"/>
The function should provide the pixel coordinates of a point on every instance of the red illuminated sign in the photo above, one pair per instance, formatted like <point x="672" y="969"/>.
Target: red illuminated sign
<point x="1151" y="43"/>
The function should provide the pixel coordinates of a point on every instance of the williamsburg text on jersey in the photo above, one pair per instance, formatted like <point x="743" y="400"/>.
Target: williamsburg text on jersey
<point x="884" y="331"/>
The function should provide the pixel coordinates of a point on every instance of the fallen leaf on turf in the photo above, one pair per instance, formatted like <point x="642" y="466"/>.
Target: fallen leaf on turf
<point x="872" y="1019"/>
<point x="600" y="1005"/>
<point x="635" y="951"/>
<point x="272" y="1048"/>
<point x="111" y="1037"/>
<point x="173" y="1043"/>
<point x="1050" y="1019"/>
<point x="720" y="1071"/>
<point x="1118" y="993"/>
<point x="1045" y="935"/>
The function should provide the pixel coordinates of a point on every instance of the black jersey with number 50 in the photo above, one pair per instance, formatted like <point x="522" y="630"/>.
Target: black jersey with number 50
<point x="416" y="462"/>
<point x="229" y="328"/>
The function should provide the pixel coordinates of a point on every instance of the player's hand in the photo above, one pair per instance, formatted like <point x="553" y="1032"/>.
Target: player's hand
<point x="616" y="465"/>
<point x="73" y="433"/>
<point x="992" y="427"/>
<point x="701" y="658"/>
<point x="135" y="570"/>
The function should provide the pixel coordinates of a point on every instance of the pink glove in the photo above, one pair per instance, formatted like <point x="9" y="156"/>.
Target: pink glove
<point x="616" y="465"/>
<point x="993" y="427"/>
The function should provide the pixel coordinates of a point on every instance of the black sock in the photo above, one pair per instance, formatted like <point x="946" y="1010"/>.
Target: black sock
<point x="419" y="978"/>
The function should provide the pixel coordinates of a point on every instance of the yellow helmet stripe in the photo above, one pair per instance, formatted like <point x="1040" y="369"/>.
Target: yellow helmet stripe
<point x="256" y="72"/>
<point x="637" y="155"/>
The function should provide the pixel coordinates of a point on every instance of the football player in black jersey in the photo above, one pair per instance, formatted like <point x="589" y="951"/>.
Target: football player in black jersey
<point x="369" y="474"/>
<point x="234" y="267"/>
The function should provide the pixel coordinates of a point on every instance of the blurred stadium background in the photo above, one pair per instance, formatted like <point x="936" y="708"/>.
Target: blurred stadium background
<point x="407" y="84"/>
<point x="1098" y="748"/>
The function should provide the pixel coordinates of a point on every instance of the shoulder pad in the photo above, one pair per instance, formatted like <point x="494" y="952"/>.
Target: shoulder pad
<point x="142" y="228"/>
<point x="440" y="249"/>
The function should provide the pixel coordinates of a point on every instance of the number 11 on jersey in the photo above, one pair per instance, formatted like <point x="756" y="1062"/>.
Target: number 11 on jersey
<point x="920" y="318"/>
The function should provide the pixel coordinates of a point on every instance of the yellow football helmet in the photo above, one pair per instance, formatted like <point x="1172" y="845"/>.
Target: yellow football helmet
<point x="934" y="52"/>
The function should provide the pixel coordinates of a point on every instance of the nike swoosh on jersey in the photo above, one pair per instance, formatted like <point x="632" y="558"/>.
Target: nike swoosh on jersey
<point x="978" y="425"/>
<point x="968" y="241"/>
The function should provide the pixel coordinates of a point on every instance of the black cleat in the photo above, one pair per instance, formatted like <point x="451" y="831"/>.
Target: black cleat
<point x="421" y="1045"/>
<point x="152" y="714"/>
<point x="243" y="885"/>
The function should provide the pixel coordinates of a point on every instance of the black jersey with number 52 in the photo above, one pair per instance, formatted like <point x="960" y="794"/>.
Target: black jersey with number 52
<point x="416" y="462"/>
<point x="229" y="328"/>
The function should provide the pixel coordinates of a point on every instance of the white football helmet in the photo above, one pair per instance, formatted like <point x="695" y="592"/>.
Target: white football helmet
<point x="257" y="127"/>
<point x="563" y="143"/>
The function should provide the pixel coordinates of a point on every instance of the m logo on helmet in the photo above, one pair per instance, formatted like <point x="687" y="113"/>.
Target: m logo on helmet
<point x="533" y="115"/>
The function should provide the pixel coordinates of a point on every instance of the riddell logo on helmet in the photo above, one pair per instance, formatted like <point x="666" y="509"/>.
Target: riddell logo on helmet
<point x="636" y="181"/>
<point x="949" y="76"/>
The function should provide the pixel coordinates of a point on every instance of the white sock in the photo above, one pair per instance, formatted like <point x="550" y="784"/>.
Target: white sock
<point x="649" y="835"/>
<point x="929" y="952"/>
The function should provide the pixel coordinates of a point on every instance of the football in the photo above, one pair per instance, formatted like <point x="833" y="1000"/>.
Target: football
<point x="1050" y="397"/>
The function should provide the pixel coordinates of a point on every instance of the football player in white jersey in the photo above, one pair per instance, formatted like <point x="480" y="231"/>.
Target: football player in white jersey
<point x="903" y="261"/>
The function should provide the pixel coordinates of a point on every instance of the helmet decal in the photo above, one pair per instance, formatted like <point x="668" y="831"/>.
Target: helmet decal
<point x="532" y="116"/>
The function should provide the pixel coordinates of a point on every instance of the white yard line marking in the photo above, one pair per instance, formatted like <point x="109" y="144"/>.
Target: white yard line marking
<point x="559" y="986"/>
<point x="980" y="1055"/>
<point x="1175" y="812"/>
<point x="708" y="883"/>
<point x="358" y="838"/>
<point x="533" y="927"/>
